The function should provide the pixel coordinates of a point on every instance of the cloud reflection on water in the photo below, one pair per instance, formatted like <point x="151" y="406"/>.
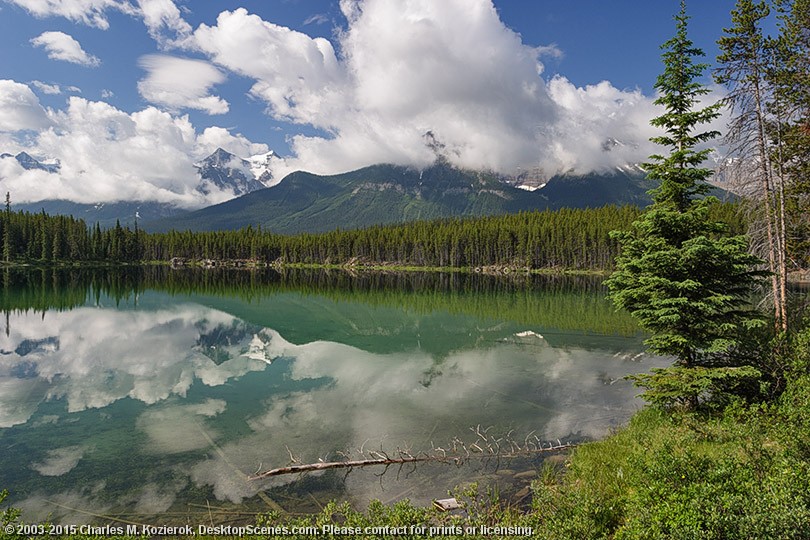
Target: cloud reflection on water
<point x="105" y="355"/>
<point x="59" y="461"/>
<point x="331" y="397"/>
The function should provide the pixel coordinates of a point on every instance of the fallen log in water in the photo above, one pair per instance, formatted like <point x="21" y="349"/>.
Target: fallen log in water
<point x="445" y="457"/>
<point x="323" y="465"/>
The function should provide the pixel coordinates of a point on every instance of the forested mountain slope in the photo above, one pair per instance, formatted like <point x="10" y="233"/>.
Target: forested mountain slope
<point x="384" y="194"/>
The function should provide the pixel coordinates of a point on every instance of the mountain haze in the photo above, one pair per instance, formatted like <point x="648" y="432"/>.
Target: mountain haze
<point x="220" y="171"/>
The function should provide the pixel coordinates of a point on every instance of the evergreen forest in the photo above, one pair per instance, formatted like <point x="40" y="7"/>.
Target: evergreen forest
<point x="563" y="239"/>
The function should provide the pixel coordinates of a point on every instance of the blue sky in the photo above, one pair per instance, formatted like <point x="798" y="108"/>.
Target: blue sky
<point x="329" y="85"/>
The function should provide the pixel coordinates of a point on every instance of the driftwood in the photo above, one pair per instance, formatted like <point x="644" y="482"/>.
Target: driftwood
<point x="485" y="447"/>
<point x="445" y="505"/>
<point x="323" y="465"/>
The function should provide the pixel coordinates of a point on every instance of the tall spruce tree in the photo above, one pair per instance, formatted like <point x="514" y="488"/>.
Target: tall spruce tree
<point x="678" y="275"/>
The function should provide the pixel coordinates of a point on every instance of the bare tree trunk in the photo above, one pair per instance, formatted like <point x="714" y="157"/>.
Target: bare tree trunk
<point x="770" y="218"/>
<point x="781" y="225"/>
<point x="782" y="246"/>
<point x="325" y="465"/>
<point x="485" y="447"/>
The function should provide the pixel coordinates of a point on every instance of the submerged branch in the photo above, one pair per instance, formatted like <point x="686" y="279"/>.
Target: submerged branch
<point x="440" y="455"/>
<point x="323" y="465"/>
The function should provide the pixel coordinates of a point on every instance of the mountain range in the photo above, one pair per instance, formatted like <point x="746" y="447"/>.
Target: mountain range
<point x="220" y="171"/>
<point x="378" y="194"/>
<point x="383" y="194"/>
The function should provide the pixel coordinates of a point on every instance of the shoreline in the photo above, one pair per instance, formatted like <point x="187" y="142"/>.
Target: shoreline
<point x="800" y="277"/>
<point x="208" y="264"/>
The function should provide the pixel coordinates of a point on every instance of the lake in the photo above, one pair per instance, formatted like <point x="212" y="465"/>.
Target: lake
<point x="149" y="395"/>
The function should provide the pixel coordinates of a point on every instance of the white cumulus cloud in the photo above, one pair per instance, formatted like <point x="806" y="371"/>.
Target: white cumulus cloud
<point x="297" y="76"/>
<point x="399" y="70"/>
<point x="218" y="137"/>
<point x="162" y="19"/>
<point x="20" y="108"/>
<point x="89" y="12"/>
<point x="409" y="67"/>
<point x="181" y="83"/>
<point x="599" y="126"/>
<point x="61" y="46"/>
<point x="107" y="154"/>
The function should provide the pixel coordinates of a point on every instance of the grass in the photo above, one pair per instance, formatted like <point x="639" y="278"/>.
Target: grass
<point x="741" y="473"/>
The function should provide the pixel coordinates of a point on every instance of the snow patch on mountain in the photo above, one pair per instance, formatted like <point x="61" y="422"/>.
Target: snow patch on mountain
<point x="261" y="166"/>
<point x="28" y="162"/>
<point x="224" y="171"/>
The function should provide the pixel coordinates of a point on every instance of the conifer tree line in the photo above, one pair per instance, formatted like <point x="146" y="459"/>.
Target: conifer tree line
<point x="566" y="238"/>
<point x="686" y="283"/>
<point x="39" y="237"/>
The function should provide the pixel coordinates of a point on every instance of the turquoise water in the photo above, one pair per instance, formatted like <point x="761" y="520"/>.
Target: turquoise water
<point x="150" y="401"/>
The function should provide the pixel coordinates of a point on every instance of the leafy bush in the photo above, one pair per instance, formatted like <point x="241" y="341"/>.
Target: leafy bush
<point x="740" y="474"/>
<point x="682" y="387"/>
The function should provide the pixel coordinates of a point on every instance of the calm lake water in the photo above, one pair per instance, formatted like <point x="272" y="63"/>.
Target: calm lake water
<point x="150" y="395"/>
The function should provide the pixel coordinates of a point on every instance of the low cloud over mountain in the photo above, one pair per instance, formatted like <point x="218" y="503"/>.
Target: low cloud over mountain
<point x="391" y="72"/>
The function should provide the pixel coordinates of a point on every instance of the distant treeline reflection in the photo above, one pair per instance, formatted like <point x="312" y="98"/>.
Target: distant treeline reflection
<point x="575" y="303"/>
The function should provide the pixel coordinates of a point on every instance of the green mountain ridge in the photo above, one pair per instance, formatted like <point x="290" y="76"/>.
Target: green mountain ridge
<point x="385" y="194"/>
